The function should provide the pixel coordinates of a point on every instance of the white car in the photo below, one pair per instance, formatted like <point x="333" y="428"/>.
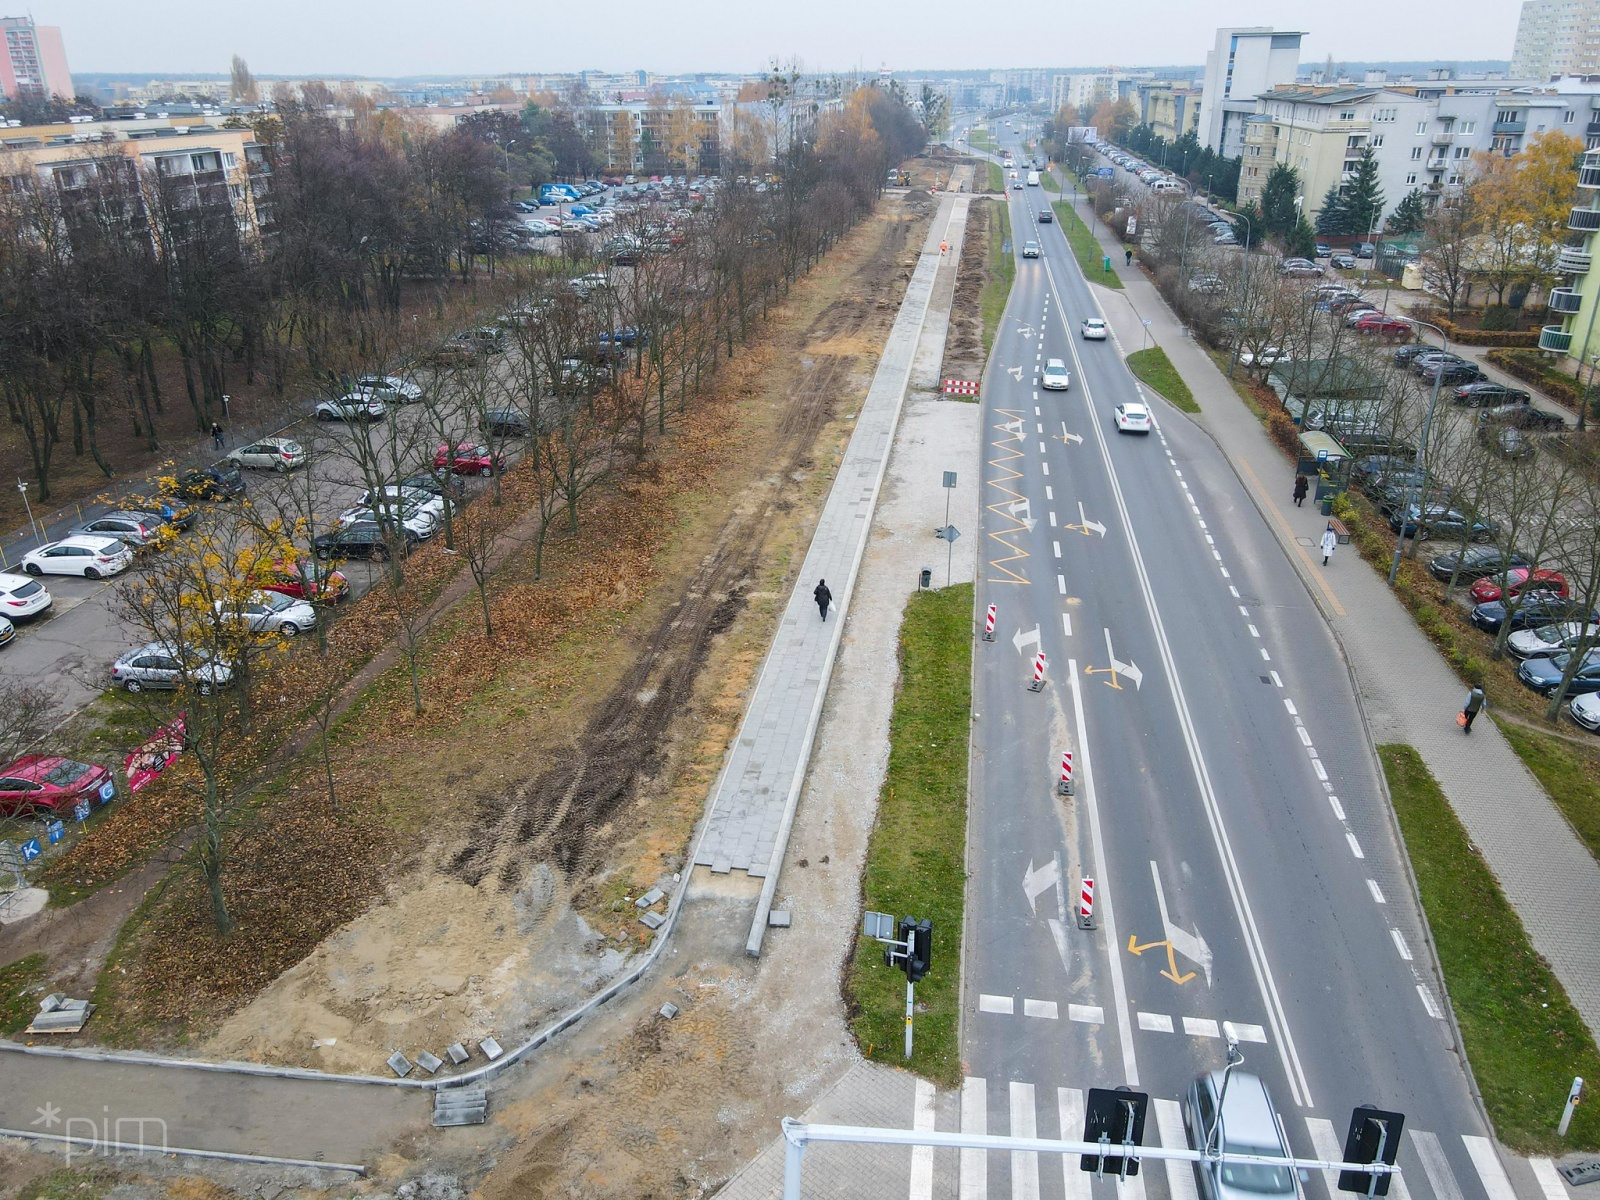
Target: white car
<point x="89" y="555"/>
<point x="357" y="406"/>
<point x="273" y="612"/>
<point x="1265" y="357"/>
<point x="1547" y="640"/>
<point x="270" y="454"/>
<point x="390" y="388"/>
<point x="413" y="517"/>
<point x="408" y="497"/>
<point x="1030" y="249"/>
<point x="1132" y="417"/>
<point x="1055" y="377"/>
<point x="1094" y="329"/>
<point x="21" y="596"/>
<point x="1585" y="710"/>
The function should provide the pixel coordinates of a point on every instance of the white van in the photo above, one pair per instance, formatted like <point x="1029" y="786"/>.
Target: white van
<point x="1033" y="179"/>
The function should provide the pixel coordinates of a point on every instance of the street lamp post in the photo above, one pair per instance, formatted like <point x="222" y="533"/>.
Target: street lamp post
<point x="1422" y="458"/>
<point x="1235" y="1058"/>
<point x="22" y="486"/>
<point x="1244" y="293"/>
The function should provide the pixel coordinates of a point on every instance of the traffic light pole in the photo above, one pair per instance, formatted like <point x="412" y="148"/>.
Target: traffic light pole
<point x="911" y="990"/>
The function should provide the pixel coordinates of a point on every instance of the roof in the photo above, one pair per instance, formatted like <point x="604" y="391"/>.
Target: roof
<point x="1306" y="95"/>
<point x="1321" y="444"/>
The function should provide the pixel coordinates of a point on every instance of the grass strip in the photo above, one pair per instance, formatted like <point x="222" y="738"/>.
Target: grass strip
<point x="916" y="857"/>
<point x="1049" y="182"/>
<point x="1002" y="269"/>
<point x="1523" y="1038"/>
<point x="997" y="178"/>
<point x="1152" y="366"/>
<point x="1091" y="258"/>
<point x="19" y="993"/>
<point x="1569" y="773"/>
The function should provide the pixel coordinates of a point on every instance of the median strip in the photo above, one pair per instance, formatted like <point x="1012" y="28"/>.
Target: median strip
<point x="1153" y="368"/>
<point x="1091" y="258"/>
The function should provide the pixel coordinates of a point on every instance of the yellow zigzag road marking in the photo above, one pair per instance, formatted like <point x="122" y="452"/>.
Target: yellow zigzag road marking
<point x="1000" y="508"/>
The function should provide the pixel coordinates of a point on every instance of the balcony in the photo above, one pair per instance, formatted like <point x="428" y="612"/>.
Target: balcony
<point x="1584" y="220"/>
<point x="1565" y="300"/>
<point x="1593" y="129"/>
<point x="1552" y="338"/>
<point x="1572" y="261"/>
<point x="1589" y="174"/>
<point x="1510" y="127"/>
<point x="1443" y="137"/>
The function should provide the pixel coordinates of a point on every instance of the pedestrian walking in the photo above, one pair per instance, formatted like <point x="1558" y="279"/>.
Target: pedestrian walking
<point x="1329" y="541"/>
<point x="1127" y="258"/>
<point x="1301" y="486"/>
<point x="216" y="435"/>
<point x="823" y="597"/>
<point x="1474" y="705"/>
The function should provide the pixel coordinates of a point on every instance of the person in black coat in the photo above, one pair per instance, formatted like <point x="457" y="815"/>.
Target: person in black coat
<point x="1301" y="486"/>
<point x="823" y="597"/>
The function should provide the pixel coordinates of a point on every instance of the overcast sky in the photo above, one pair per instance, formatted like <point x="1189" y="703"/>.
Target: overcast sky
<point x="448" y="37"/>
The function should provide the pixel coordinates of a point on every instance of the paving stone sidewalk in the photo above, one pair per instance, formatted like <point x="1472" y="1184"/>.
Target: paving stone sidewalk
<point x="1408" y="692"/>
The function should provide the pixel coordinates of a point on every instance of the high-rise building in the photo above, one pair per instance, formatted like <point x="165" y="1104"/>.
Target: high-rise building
<point x="1557" y="37"/>
<point x="35" y="61"/>
<point x="1243" y="64"/>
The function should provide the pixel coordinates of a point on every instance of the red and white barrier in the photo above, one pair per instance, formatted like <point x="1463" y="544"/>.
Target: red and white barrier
<point x="1086" y="905"/>
<point x="1038" y="672"/>
<point x="960" y="387"/>
<point x="988" y="624"/>
<point x="1066" y="772"/>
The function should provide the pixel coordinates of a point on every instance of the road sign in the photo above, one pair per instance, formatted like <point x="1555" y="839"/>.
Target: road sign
<point x="80" y="811"/>
<point x="879" y="926"/>
<point x="949" y="479"/>
<point x="31" y="850"/>
<point x="1374" y="1137"/>
<point x="55" y="831"/>
<point x="948" y="532"/>
<point x="1115" y="1119"/>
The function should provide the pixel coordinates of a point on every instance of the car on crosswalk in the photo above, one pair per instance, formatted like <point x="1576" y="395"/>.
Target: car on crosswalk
<point x="1237" y="1119"/>
<point x="1056" y="378"/>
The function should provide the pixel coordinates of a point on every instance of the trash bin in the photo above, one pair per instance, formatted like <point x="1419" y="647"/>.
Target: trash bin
<point x="1326" y="507"/>
<point x="925" y="581"/>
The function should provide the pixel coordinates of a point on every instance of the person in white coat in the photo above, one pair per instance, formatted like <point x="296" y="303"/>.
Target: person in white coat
<point x="1329" y="541"/>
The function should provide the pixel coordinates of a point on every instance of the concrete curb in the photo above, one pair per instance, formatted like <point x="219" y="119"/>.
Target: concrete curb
<point x="96" y="1145"/>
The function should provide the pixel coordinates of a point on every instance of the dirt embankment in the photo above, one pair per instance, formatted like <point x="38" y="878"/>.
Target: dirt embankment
<point x="963" y="348"/>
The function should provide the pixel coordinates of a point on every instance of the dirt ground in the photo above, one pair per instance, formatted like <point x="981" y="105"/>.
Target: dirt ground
<point x="963" y="348"/>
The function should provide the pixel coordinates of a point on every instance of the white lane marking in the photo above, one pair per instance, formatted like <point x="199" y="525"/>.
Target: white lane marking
<point x="922" y="1120"/>
<point x="1089" y="1014"/>
<point x="1289" y="704"/>
<point x="1305" y="735"/>
<point x="1180" y="1175"/>
<point x="1277" y="682"/>
<point x="1201" y="1027"/>
<point x="1049" y="493"/>
<point x="1490" y="1169"/>
<point x="1244" y="612"/>
<point x="1338" y="809"/>
<point x="1061" y="584"/>
<point x="1435" y="1165"/>
<point x="1069" y="1106"/>
<point x="1024" y="1163"/>
<point x="1544" y="1172"/>
<point x="1355" y="846"/>
<point x="1264" y="655"/>
<point x="1036" y="410"/>
<point x="1045" y="467"/>
<point x="1225" y="574"/>
<point x="996" y="1004"/>
<point x="1250" y="1033"/>
<point x="974" y="1119"/>
<point x="1400" y="944"/>
<point x="1041" y="447"/>
<point x="1429" y="1003"/>
<point x="1041" y="428"/>
<point x="1045" y="1009"/>
<point x="1254" y="632"/>
<point x="1377" y="892"/>
<point x="1066" y="624"/>
<point x="1322" y="774"/>
<point x="1325" y="1145"/>
<point x="1234" y="590"/>
<point x="1299" y="1085"/>
<point x="1052" y="518"/>
<point x="1155" y="1022"/>
<point x="1057" y="546"/>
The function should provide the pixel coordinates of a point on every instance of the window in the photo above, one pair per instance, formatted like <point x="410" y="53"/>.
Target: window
<point x="1422" y="128"/>
<point x="1411" y="178"/>
<point x="1468" y="127"/>
<point x="1463" y="151"/>
<point x="1416" y="153"/>
<point x="1348" y="114"/>
<point x="1377" y="140"/>
<point x="1566" y="117"/>
<point x="230" y="159"/>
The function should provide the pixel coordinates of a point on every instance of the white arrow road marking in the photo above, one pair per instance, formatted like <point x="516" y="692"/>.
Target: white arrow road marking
<point x="1015" y="373"/>
<point x="1014" y="427"/>
<point x="1086" y="525"/>
<point x="1020" y="639"/>
<point x="1039" y="881"/>
<point x="1022" y="510"/>
<point x="1070" y="437"/>
<point x="1123" y="668"/>
<point x="1191" y="945"/>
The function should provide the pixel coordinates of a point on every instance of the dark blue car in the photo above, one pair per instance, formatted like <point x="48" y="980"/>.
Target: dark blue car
<point x="1543" y="675"/>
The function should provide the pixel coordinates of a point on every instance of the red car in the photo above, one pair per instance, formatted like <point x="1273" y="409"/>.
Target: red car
<point x="470" y="458"/>
<point x="1513" y="582"/>
<point x="299" y="580"/>
<point x="1384" y="326"/>
<point x="50" y="786"/>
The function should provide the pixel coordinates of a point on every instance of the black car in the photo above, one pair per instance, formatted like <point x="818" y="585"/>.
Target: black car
<point x="1543" y="675"/>
<point x="1536" y="609"/>
<point x="1474" y="562"/>
<point x="1404" y="487"/>
<point x="451" y="486"/>
<point x="362" y="539"/>
<point x="1046" y="217"/>
<point x="1519" y="416"/>
<point x="1487" y="392"/>
<point x="1369" y="467"/>
<point x="504" y="422"/>
<point x="221" y="482"/>
<point x="1452" y="372"/>
<point x="1407" y="355"/>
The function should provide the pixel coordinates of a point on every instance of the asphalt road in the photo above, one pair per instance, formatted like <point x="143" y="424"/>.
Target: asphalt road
<point x="1227" y="805"/>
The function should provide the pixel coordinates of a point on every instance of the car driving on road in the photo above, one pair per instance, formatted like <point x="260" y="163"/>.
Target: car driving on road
<point x="1132" y="417"/>
<point x="1030" y="249"/>
<point x="1239" y="1119"/>
<point x="1055" y="377"/>
<point x="1093" y="329"/>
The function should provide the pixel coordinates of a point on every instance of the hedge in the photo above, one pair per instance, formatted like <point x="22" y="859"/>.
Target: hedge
<point x="1532" y="368"/>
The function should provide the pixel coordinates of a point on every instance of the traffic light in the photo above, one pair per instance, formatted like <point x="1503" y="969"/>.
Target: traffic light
<point x="921" y="956"/>
<point x="1374" y="1137"/>
<point x="1114" y="1119"/>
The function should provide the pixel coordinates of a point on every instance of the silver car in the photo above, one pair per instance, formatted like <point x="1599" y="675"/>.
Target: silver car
<point x="273" y="612"/>
<point x="1247" y="1124"/>
<point x="269" y="454"/>
<point x="136" y="530"/>
<point x="390" y="388"/>
<point x="162" y="666"/>
<point x="413" y="517"/>
<point x="357" y="406"/>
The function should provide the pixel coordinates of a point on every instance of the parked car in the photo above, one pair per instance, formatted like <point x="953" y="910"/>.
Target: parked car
<point x="1585" y="710"/>
<point x="1520" y="415"/>
<point x="1475" y="562"/>
<point x="1299" y="267"/>
<point x="1552" y="639"/>
<point x="220" y="482"/>
<point x="160" y="665"/>
<point x="1488" y="393"/>
<point x="413" y="517"/>
<point x="1515" y="581"/>
<point x="48" y="785"/>
<point x="1322" y="250"/>
<point x="1440" y="520"/>
<point x="1369" y="467"/>
<point x="1207" y="285"/>
<point x="1384" y="326"/>
<point x="504" y="422"/>
<point x="270" y="611"/>
<point x="1030" y="249"/>
<point x="1056" y="377"/>
<point x="1505" y="440"/>
<point x="357" y="406"/>
<point x="440" y="483"/>
<point x="1344" y="260"/>
<point x="270" y="454"/>
<point x="1093" y="329"/>
<point x="298" y="580"/>
<point x="8" y="631"/>
<point x="93" y="557"/>
<point x="136" y="529"/>
<point x="364" y="539"/>
<point x="391" y="389"/>
<point x="469" y="458"/>
<point x="1407" y="355"/>
<point x="1363" y="249"/>
<point x="1239" y="1119"/>
<point x="21" y="597"/>
<point x="1534" y="611"/>
<point x="1452" y="372"/>
<point x="1131" y="417"/>
<point x="1543" y="675"/>
<point x="1263" y="356"/>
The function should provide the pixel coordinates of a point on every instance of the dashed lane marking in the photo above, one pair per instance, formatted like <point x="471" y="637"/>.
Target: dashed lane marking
<point x="1155" y="1022"/>
<point x="996" y="1004"/>
<point x="1377" y="892"/>
<point x="1089" y="1014"/>
<point x="1044" y="1009"/>
<point x="1201" y="1027"/>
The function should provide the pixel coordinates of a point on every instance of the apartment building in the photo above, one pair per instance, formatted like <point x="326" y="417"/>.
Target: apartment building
<point x="1243" y="64"/>
<point x="1557" y="37"/>
<point x="1170" y="109"/>
<point x="1577" y="301"/>
<point x="640" y="137"/>
<point x="35" y="61"/>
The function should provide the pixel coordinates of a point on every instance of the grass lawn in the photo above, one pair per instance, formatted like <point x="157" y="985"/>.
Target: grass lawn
<point x="916" y="861"/>
<point x="997" y="178"/>
<point x="981" y="139"/>
<point x="1090" y="257"/>
<point x="17" y="1002"/>
<point x="1523" y="1038"/>
<point x="1049" y="182"/>
<point x="1570" y="774"/>
<point x="1152" y="366"/>
<point x="1002" y="267"/>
